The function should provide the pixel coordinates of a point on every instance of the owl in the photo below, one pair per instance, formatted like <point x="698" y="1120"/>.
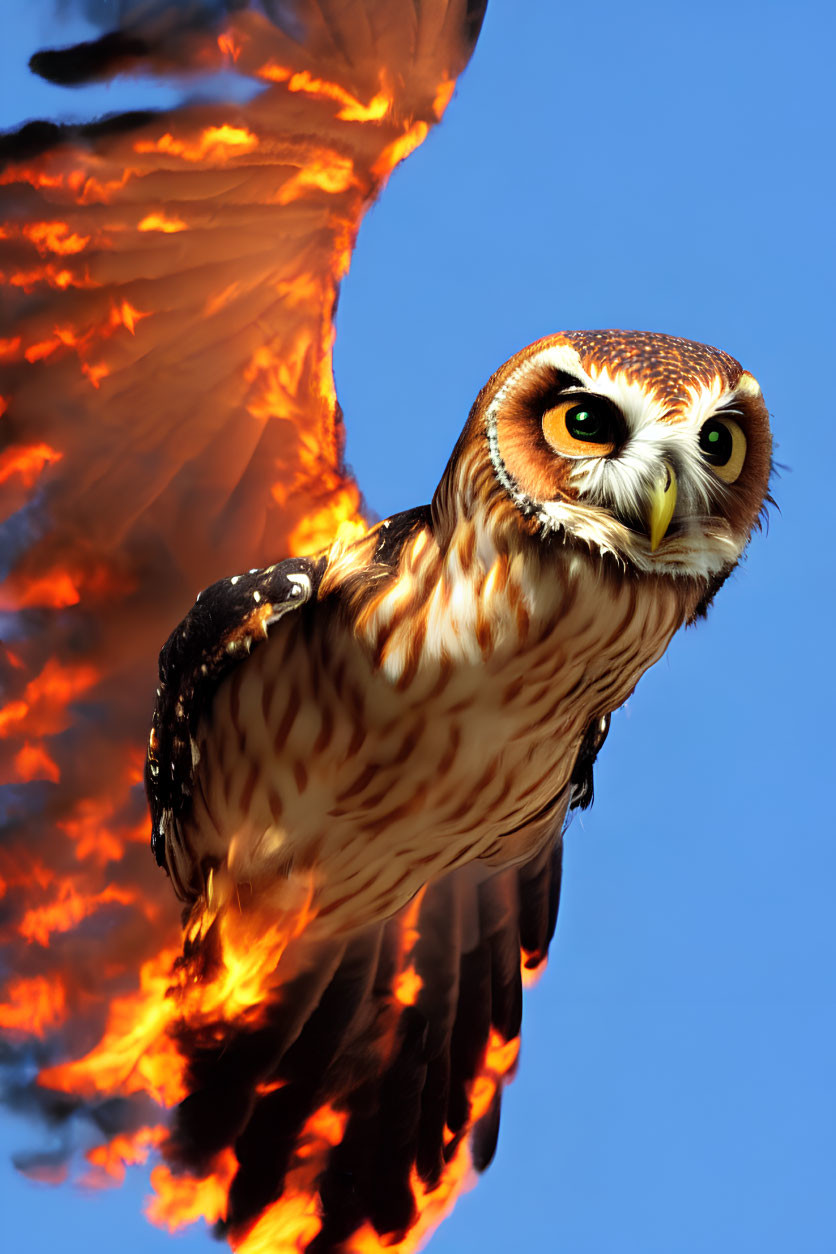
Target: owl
<point x="410" y="717"/>
<point x="366" y="743"/>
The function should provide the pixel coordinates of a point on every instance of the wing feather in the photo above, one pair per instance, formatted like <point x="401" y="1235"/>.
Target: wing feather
<point x="406" y="1050"/>
<point x="168" y="283"/>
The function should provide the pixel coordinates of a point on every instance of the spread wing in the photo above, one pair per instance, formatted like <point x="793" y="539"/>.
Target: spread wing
<point x="168" y="289"/>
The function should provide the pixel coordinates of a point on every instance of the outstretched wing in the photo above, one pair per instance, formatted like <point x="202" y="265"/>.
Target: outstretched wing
<point x="167" y="290"/>
<point x="169" y="283"/>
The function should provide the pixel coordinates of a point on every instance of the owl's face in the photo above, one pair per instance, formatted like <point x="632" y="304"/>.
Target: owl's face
<point x="648" y="447"/>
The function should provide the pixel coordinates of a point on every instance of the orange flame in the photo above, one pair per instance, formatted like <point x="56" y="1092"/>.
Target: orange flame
<point x="95" y="373"/>
<point x="400" y="149"/>
<point x="125" y="315"/>
<point x="183" y="1200"/>
<point x="137" y="1052"/>
<point x="34" y="1005"/>
<point x="328" y="172"/>
<point x="47" y="273"/>
<point x="162" y="222"/>
<point x="33" y="762"/>
<point x="532" y="967"/>
<point x="28" y="461"/>
<point x="216" y="142"/>
<point x="40" y="923"/>
<point x="110" y="1160"/>
<point x="352" y="109"/>
<point x="95" y="836"/>
<point x="408" y="985"/>
<point x="55" y="237"/>
<point x="122" y="1062"/>
<point x="44" y="703"/>
<point x="229" y="46"/>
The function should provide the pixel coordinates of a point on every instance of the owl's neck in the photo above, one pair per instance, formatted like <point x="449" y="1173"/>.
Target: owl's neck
<point x="484" y="598"/>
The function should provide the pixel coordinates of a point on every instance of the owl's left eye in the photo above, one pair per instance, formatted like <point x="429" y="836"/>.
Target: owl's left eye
<point x="581" y="426"/>
<point x="723" y="445"/>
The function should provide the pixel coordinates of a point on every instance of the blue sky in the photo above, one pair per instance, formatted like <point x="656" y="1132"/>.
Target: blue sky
<point x="668" y="169"/>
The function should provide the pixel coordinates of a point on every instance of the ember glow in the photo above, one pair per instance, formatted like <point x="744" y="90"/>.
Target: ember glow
<point x="179" y="370"/>
<point x="215" y="143"/>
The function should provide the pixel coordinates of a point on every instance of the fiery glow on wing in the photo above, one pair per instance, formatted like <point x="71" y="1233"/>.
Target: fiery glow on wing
<point x="69" y="908"/>
<point x="108" y="1161"/>
<point x="55" y="237"/>
<point x="33" y="762"/>
<point x="162" y="222"/>
<point x="351" y="109"/>
<point x="43" y="706"/>
<point x="180" y="1200"/>
<point x="33" y="1005"/>
<point x="27" y="461"/>
<point x="215" y="143"/>
<point x="168" y="416"/>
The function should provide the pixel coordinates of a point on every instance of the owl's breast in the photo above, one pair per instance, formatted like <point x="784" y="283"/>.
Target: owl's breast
<point x="372" y="770"/>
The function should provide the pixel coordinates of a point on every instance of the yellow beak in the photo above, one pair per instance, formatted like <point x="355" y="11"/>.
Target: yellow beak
<point x="660" y="506"/>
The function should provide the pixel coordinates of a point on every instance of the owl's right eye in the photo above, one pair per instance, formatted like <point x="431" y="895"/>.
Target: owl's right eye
<point x="581" y="426"/>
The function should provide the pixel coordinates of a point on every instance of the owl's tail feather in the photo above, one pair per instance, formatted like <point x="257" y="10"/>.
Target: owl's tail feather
<point x="370" y="1094"/>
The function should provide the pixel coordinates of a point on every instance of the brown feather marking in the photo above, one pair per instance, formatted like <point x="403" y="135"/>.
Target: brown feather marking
<point x="248" y="789"/>
<point x="409" y="671"/>
<point x="484" y="635"/>
<point x="359" y="784"/>
<point x="385" y="821"/>
<point x="467" y="548"/>
<point x="235" y="702"/>
<point x="454" y="740"/>
<point x="358" y="736"/>
<point x="476" y="793"/>
<point x="511" y="691"/>
<point x="326" y="731"/>
<point x="309" y="855"/>
<point x="445" y="670"/>
<point x="409" y="742"/>
<point x="371" y="803"/>
<point x="627" y="618"/>
<point x="294" y="704"/>
<point x="275" y="804"/>
<point x="338" y="677"/>
<point x="415" y="645"/>
<point x="523" y="620"/>
<point x="267" y="692"/>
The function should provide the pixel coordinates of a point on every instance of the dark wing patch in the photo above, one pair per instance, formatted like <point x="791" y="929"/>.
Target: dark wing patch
<point x="593" y="742"/>
<point x="99" y="58"/>
<point x="228" y="619"/>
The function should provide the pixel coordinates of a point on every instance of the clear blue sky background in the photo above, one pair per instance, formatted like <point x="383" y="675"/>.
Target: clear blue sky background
<point x="670" y="168"/>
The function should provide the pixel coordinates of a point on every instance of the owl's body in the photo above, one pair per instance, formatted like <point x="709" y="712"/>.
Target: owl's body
<point x="424" y="704"/>
<point x="377" y="760"/>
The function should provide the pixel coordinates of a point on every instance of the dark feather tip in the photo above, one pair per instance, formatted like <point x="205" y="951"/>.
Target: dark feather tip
<point x="82" y="63"/>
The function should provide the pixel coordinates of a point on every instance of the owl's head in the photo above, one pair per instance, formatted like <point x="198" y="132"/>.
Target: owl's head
<point x="646" y="447"/>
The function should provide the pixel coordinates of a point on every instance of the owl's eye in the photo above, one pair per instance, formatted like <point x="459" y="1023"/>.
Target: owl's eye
<point x="723" y="445"/>
<point x="581" y="427"/>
